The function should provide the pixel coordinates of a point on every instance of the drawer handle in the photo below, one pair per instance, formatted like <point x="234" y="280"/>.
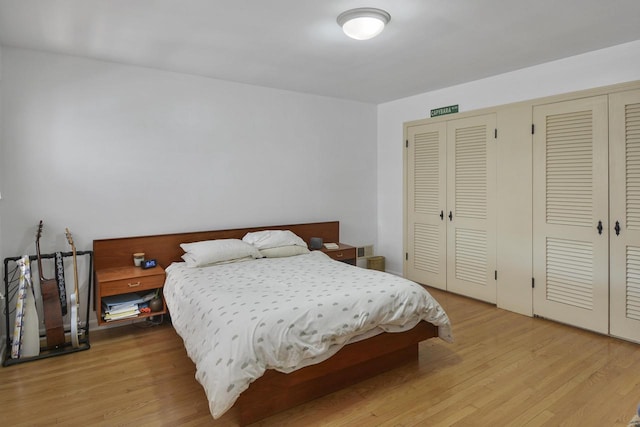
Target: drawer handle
<point x="133" y="285"/>
<point x="339" y="255"/>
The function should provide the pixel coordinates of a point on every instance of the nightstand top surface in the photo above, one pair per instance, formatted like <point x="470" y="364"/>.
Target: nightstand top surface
<point x="128" y="272"/>
<point x="341" y="247"/>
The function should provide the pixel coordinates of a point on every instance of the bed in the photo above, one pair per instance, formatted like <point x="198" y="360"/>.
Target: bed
<point x="345" y="324"/>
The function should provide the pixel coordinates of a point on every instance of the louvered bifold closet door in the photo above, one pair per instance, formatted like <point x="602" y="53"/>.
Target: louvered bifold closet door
<point x="570" y="202"/>
<point x="624" y="175"/>
<point x="471" y="219"/>
<point x="426" y="197"/>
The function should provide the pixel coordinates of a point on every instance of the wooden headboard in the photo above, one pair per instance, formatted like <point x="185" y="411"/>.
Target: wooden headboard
<point x="165" y="248"/>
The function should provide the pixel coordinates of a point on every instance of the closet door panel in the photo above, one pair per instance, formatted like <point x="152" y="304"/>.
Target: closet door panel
<point x="471" y="233"/>
<point x="624" y="143"/>
<point x="426" y="199"/>
<point x="571" y="258"/>
<point x="514" y="193"/>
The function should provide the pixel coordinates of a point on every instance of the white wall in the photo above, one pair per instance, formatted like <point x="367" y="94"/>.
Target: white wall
<point x="599" y="68"/>
<point x="111" y="150"/>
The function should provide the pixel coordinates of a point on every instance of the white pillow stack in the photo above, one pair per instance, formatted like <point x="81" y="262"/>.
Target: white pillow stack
<point x="276" y="243"/>
<point x="208" y="252"/>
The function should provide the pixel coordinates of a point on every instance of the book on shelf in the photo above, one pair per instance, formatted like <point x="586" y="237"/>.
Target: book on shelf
<point x="121" y="300"/>
<point x="119" y="316"/>
<point x="124" y="306"/>
<point x="114" y="309"/>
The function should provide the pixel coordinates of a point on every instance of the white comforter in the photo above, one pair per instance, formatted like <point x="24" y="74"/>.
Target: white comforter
<point x="239" y="319"/>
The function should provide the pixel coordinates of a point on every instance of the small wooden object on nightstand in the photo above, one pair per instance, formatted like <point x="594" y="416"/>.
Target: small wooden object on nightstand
<point x="344" y="253"/>
<point x="125" y="280"/>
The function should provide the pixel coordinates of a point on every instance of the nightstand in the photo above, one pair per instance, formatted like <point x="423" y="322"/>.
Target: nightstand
<point x="344" y="253"/>
<point x="126" y="280"/>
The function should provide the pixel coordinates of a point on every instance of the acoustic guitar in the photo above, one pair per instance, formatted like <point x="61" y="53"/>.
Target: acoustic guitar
<point x="75" y="296"/>
<point x="50" y="302"/>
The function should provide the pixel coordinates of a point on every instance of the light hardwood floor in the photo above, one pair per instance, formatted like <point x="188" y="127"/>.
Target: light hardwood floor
<point x="503" y="370"/>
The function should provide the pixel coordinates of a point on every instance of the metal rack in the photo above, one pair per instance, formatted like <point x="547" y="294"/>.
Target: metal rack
<point x="10" y="289"/>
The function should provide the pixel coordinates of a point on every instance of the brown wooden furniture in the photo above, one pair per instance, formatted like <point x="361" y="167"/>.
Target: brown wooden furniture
<point x="344" y="253"/>
<point x="165" y="248"/>
<point x="125" y="280"/>
<point x="275" y="391"/>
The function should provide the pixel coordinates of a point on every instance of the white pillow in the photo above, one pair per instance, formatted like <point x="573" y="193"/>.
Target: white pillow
<point x="273" y="239"/>
<point x="207" y="252"/>
<point x="284" y="251"/>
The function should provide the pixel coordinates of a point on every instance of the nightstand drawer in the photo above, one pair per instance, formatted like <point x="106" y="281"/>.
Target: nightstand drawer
<point x="133" y="284"/>
<point x="342" y="254"/>
<point x="123" y="280"/>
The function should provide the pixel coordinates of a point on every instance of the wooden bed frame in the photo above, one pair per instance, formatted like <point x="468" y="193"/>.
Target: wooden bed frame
<point x="275" y="391"/>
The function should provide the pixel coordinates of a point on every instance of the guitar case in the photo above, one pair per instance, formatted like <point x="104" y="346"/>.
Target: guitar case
<point x="31" y="326"/>
<point x="26" y="333"/>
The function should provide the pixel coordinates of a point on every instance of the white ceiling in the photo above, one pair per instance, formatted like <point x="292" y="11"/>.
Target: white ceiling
<point x="297" y="45"/>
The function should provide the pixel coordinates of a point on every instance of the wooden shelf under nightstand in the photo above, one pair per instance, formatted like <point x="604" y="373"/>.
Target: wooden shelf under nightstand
<point x="124" y="280"/>
<point x="344" y="253"/>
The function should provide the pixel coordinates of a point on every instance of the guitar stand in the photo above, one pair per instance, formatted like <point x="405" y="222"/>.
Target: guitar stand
<point x="11" y="292"/>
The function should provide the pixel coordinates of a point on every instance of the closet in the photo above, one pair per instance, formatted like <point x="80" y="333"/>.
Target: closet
<point x="624" y="217"/>
<point x="534" y="206"/>
<point x="587" y="213"/>
<point x="451" y="174"/>
<point x="570" y="202"/>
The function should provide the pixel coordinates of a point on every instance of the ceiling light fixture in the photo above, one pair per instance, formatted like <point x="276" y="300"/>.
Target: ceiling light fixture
<point x="363" y="23"/>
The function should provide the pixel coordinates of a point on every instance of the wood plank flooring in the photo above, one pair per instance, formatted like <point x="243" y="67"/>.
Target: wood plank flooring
<point x="503" y="370"/>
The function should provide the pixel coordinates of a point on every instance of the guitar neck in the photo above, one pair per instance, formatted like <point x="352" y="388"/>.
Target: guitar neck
<point x="75" y="262"/>
<point x="40" y="274"/>
<point x="75" y="273"/>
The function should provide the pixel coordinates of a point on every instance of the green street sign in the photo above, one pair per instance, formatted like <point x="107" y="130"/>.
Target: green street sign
<point x="444" y="110"/>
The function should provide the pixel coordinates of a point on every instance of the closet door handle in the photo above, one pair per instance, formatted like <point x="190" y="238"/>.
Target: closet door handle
<point x="617" y="228"/>
<point x="450" y="216"/>
<point x="442" y="215"/>
<point x="599" y="227"/>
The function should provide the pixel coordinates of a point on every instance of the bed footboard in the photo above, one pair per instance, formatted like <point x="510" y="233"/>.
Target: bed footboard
<point x="275" y="391"/>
